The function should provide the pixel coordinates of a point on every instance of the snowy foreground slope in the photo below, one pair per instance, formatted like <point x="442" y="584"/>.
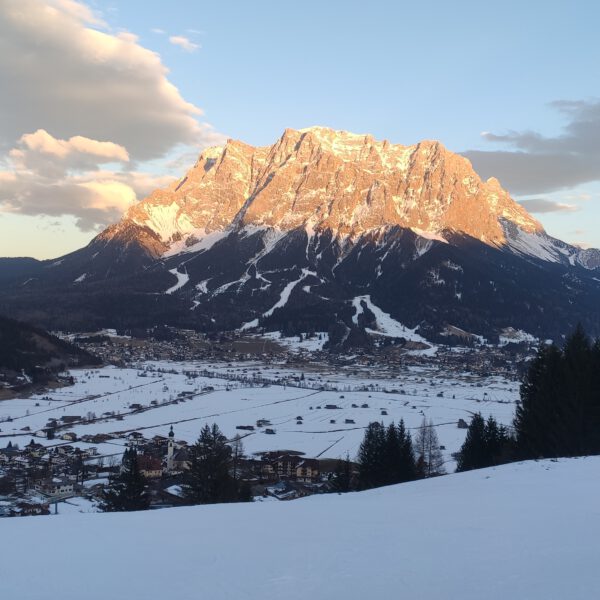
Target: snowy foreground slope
<point x="526" y="531"/>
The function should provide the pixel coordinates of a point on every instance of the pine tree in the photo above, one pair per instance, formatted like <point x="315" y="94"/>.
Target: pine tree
<point x="404" y="467"/>
<point x="208" y="479"/>
<point x="485" y="445"/>
<point x="127" y="490"/>
<point x="559" y="409"/>
<point x="391" y="456"/>
<point x="343" y="480"/>
<point x="371" y="457"/>
<point x="473" y="452"/>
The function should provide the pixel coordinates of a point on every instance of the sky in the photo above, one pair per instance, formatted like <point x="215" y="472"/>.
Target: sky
<point x="104" y="101"/>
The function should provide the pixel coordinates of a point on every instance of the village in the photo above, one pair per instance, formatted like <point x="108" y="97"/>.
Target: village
<point x="297" y="409"/>
<point x="36" y="478"/>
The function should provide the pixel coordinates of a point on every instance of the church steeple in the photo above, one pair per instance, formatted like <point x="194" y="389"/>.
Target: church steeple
<point x="170" y="450"/>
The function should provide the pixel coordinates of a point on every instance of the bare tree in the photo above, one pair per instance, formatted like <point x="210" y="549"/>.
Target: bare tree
<point x="237" y="453"/>
<point x="427" y="447"/>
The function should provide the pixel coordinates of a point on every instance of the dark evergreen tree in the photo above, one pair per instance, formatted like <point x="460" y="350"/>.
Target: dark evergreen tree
<point x="472" y="454"/>
<point x="371" y="457"/>
<point x="559" y="409"/>
<point x="386" y="456"/>
<point x="343" y="480"/>
<point x="406" y="466"/>
<point x="127" y="489"/>
<point x="208" y="479"/>
<point x="485" y="445"/>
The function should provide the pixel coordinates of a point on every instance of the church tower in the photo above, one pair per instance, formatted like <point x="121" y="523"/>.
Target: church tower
<point x="170" y="450"/>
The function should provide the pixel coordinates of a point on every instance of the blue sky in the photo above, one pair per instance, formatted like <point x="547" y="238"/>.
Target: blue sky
<point x="403" y="71"/>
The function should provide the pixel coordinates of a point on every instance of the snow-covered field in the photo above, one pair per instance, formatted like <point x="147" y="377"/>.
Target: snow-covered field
<point x="522" y="531"/>
<point x="107" y="394"/>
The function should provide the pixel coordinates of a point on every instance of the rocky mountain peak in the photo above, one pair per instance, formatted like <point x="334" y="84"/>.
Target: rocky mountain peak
<point x="324" y="179"/>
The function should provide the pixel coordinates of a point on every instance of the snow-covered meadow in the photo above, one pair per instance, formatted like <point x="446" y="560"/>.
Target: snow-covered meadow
<point x="523" y="531"/>
<point x="303" y="418"/>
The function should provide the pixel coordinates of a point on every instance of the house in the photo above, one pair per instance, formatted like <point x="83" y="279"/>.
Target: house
<point x="69" y="436"/>
<point x="56" y="487"/>
<point x="71" y="419"/>
<point x="28" y="509"/>
<point x="296" y="468"/>
<point x="150" y="466"/>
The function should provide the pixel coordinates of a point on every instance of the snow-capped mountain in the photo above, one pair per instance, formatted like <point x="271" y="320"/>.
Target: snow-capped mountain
<point x="288" y="237"/>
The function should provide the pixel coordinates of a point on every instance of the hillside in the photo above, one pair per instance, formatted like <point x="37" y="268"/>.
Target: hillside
<point x="36" y="352"/>
<point x="527" y="530"/>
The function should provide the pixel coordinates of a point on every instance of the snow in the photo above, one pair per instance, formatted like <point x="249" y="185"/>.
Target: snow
<point x="310" y="344"/>
<point x="429" y="235"/>
<point x="205" y="242"/>
<point x="283" y="299"/>
<point x="80" y="278"/>
<point x="510" y="335"/>
<point x="527" y="530"/>
<point x="182" y="279"/>
<point x="534" y="244"/>
<point x="167" y="220"/>
<point x="386" y="325"/>
<point x="412" y="393"/>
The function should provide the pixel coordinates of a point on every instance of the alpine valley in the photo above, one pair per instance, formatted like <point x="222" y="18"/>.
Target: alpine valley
<point x="322" y="231"/>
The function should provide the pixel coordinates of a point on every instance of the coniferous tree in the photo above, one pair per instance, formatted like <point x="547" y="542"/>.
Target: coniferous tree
<point x="472" y="454"/>
<point x="485" y="445"/>
<point x="391" y="456"/>
<point x="343" y="478"/>
<point x="559" y="409"/>
<point x="386" y="456"/>
<point x="406" y="469"/>
<point x="208" y="479"/>
<point x="371" y="457"/>
<point x="126" y="490"/>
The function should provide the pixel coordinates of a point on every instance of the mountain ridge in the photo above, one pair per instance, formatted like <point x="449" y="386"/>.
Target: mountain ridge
<point x="288" y="236"/>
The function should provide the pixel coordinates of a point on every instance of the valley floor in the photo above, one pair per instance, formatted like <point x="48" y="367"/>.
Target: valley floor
<point x="152" y="396"/>
<point x="520" y="531"/>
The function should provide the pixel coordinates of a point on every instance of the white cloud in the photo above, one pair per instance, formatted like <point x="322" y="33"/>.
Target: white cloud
<point x="49" y="176"/>
<point x="70" y="78"/>
<point x="183" y="42"/>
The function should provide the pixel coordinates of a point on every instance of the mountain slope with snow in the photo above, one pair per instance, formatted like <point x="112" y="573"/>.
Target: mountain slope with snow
<point x="527" y="530"/>
<point x="287" y="236"/>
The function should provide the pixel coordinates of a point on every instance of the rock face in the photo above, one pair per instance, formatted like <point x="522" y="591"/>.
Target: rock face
<point x="322" y="231"/>
<point x="322" y="179"/>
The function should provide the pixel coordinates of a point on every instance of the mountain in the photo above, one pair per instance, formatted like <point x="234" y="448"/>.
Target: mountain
<point x="35" y="352"/>
<point x="289" y="236"/>
<point x="522" y="530"/>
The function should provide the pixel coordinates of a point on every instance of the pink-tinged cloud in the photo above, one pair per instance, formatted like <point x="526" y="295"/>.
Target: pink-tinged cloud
<point x="183" y="42"/>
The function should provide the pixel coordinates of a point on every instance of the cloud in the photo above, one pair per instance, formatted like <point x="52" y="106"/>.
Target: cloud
<point x="49" y="176"/>
<point x="534" y="163"/>
<point x="47" y="155"/>
<point x="539" y="205"/>
<point x="183" y="42"/>
<point x="158" y="30"/>
<point x="60" y="72"/>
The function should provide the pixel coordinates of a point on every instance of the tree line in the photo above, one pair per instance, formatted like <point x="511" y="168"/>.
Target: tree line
<point x="557" y="415"/>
